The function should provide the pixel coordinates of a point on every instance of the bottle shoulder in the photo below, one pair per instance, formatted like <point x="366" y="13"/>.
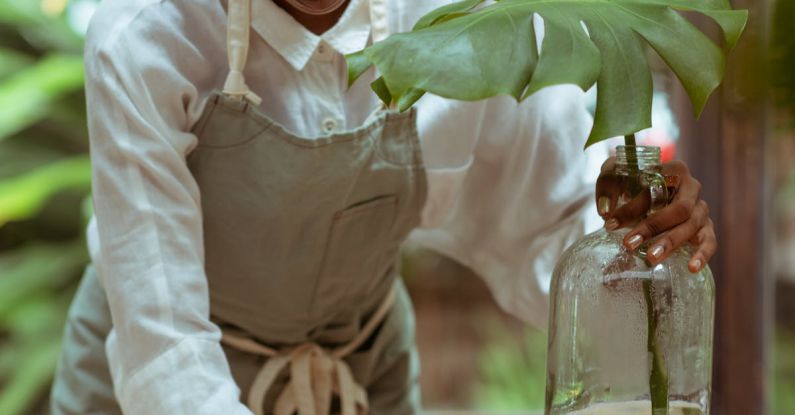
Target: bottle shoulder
<point x="603" y="253"/>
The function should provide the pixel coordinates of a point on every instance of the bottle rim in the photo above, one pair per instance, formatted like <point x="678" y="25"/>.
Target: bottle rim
<point x="645" y="155"/>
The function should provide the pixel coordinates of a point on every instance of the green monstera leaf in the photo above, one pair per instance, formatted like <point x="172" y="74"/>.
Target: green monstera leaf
<point x="468" y="51"/>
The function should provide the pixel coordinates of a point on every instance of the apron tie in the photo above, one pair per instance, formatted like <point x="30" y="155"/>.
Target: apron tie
<point x="316" y="374"/>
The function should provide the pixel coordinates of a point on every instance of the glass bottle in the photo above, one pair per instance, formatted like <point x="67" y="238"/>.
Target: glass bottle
<point x="601" y="358"/>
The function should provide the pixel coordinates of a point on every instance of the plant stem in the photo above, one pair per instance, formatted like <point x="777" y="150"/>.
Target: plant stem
<point x="658" y="376"/>
<point x="632" y="163"/>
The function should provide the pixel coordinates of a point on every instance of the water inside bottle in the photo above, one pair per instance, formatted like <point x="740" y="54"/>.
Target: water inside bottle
<point x="638" y="408"/>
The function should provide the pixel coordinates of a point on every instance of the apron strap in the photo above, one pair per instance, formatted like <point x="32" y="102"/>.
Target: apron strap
<point x="315" y="373"/>
<point x="238" y="29"/>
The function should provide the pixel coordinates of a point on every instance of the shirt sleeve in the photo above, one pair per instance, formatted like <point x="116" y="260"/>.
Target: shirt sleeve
<point x="525" y="195"/>
<point x="164" y="352"/>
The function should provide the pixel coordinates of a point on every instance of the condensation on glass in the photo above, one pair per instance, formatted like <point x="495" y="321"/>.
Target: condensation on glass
<point x="599" y="358"/>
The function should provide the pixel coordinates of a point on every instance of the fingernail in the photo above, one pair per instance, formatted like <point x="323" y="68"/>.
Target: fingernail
<point x="695" y="264"/>
<point x="634" y="242"/>
<point x="657" y="251"/>
<point x="603" y="206"/>
<point x="611" y="225"/>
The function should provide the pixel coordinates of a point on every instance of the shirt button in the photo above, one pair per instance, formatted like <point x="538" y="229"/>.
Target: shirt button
<point x="323" y="52"/>
<point x="329" y="125"/>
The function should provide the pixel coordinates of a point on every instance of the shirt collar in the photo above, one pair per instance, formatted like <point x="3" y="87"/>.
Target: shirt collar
<point x="296" y="44"/>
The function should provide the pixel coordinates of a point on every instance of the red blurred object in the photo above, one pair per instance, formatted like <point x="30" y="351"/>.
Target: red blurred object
<point x="660" y="139"/>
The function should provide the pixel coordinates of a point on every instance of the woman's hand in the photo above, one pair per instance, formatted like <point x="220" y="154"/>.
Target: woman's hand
<point x="685" y="219"/>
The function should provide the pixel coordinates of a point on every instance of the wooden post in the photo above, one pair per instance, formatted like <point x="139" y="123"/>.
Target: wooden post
<point x="728" y="150"/>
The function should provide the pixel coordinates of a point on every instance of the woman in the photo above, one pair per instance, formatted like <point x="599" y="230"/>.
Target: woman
<point x="244" y="241"/>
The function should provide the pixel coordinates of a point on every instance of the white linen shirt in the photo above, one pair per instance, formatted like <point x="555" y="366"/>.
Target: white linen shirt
<point x="509" y="184"/>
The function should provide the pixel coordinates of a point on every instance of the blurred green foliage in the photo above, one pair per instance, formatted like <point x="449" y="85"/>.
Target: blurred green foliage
<point x="782" y="53"/>
<point x="784" y="387"/>
<point x="782" y="57"/>
<point x="512" y="369"/>
<point x="44" y="183"/>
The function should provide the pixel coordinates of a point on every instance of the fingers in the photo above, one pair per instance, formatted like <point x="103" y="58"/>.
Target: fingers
<point x="681" y="209"/>
<point x="608" y="189"/>
<point x="609" y="165"/>
<point x="685" y="219"/>
<point x="663" y="246"/>
<point x="611" y="191"/>
<point x="689" y="191"/>
<point x="629" y="212"/>
<point x="706" y="246"/>
<point x="669" y="217"/>
<point x="676" y="168"/>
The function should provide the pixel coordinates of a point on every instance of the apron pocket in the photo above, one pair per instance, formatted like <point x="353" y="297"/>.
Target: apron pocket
<point x="353" y="256"/>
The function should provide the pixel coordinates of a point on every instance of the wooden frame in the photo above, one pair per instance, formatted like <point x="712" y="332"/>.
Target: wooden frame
<point x="729" y="151"/>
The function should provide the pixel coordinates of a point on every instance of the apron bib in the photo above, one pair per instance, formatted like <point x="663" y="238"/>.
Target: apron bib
<point x="301" y="244"/>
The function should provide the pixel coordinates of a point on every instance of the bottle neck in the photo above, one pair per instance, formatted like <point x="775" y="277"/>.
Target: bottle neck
<point x="641" y="169"/>
<point x="632" y="160"/>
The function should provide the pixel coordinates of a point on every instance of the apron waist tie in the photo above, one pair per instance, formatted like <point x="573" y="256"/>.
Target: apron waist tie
<point x="316" y="374"/>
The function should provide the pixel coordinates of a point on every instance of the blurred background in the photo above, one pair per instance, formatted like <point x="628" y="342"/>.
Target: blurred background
<point x="474" y="356"/>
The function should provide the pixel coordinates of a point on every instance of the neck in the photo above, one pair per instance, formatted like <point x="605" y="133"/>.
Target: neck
<point x="315" y="23"/>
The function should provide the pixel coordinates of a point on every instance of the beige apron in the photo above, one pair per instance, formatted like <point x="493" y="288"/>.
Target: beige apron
<point x="301" y="243"/>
